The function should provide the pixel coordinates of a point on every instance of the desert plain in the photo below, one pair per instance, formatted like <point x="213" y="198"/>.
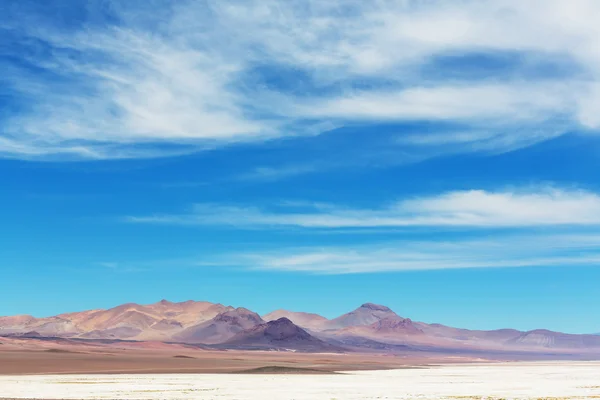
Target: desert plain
<point x="522" y="380"/>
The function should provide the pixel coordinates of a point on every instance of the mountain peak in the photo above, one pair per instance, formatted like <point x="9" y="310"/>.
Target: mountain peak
<point x="363" y="315"/>
<point x="375" y="307"/>
<point x="237" y="315"/>
<point x="302" y="319"/>
<point x="281" y="321"/>
<point x="278" y="329"/>
<point x="280" y="334"/>
<point x="243" y="310"/>
<point x="395" y="324"/>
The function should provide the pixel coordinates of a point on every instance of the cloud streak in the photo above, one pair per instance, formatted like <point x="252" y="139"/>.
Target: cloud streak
<point x="125" y="82"/>
<point x="469" y="209"/>
<point x="499" y="251"/>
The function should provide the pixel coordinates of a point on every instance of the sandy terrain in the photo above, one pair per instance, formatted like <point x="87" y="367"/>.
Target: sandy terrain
<point x="50" y="356"/>
<point x="559" y="380"/>
<point x="136" y="361"/>
<point x="25" y="356"/>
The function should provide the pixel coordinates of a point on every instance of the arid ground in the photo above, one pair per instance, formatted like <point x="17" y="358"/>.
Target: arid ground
<point x="35" y="356"/>
<point x="524" y="380"/>
<point x="141" y="361"/>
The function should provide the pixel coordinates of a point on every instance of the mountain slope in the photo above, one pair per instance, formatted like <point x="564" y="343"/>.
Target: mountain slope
<point x="541" y="338"/>
<point x="442" y="331"/>
<point x="158" y="321"/>
<point x="16" y="324"/>
<point x="305" y="320"/>
<point x="281" y="334"/>
<point x="393" y="327"/>
<point x="366" y="314"/>
<point x="220" y="328"/>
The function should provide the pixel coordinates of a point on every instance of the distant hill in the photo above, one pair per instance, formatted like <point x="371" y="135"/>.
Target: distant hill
<point x="370" y="328"/>
<point x="366" y="314"/>
<point x="221" y="328"/>
<point x="305" y="320"/>
<point x="548" y="339"/>
<point x="281" y="334"/>
<point x="158" y="321"/>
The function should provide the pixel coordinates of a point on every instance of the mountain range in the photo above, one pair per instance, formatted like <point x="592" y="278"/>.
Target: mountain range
<point x="369" y="328"/>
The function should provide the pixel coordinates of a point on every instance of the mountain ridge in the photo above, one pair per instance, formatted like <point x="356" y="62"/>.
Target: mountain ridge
<point x="370" y="327"/>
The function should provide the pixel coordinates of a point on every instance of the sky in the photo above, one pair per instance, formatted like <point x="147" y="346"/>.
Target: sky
<point x="437" y="157"/>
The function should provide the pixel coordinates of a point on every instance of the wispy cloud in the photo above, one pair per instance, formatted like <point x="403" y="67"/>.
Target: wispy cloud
<point x="108" y="264"/>
<point x="492" y="252"/>
<point x="467" y="102"/>
<point x="271" y="173"/>
<point x="546" y="206"/>
<point x="130" y="82"/>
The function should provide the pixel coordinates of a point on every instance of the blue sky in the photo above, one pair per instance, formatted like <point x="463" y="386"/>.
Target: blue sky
<point x="436" y="157"/>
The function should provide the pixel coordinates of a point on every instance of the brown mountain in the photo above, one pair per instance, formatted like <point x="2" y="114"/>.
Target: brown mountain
<point x="16" y="321"/>
<point x="281" y="334"/>
<point x="222" y="327"/>
<point x="16" y="324"/>
<point x="394" y="327"/>
<point x="309" y="321"/>
<point x="542" y="338"/>
<point x="371" y="326"/>
<point x="366" y="314"/>
<point x="25" y="324"/>
<point x="391" y="334"/>
<point x="158" y="321"/>
<point x="498" y="336"/>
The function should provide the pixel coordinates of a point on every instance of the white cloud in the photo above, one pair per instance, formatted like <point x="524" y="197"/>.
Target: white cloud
<point x="151" y="91"/>
<point x="471" y="208"/>
<point x="471" y="102"/>
<point x="491" y="252"/>
<point x="271" y="174"/>
<point x="186" y="74"/>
